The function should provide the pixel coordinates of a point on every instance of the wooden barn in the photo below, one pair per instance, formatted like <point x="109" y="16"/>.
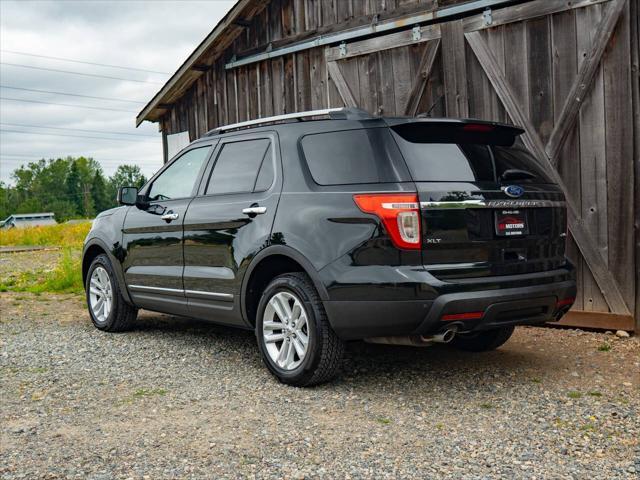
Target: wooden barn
<point x="566" y="71"/>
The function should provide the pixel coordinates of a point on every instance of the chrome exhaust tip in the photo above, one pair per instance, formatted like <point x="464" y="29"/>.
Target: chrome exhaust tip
<point x="442" y="337"/>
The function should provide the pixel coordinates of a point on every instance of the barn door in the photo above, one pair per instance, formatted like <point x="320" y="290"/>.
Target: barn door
<point x="557" y="69"/>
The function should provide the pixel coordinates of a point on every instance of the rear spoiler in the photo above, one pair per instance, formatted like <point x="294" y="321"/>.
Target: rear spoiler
<point x="429" y="130"/>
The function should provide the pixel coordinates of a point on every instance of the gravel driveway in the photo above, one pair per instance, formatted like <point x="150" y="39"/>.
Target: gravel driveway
<point x="177" y="398"/>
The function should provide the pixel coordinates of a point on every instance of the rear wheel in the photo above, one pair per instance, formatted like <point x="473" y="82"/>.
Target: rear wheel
<point x="483" y="341"/>
<point x="295" y="339"/>
<point x="107" y="307"/>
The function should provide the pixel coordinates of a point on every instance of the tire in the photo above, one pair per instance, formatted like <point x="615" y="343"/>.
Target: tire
<point x="120" y="315"/>
<point x="483" y="341"/>
<point x="324" y="350"/>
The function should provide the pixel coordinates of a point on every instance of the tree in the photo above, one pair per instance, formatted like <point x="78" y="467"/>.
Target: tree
<point x="72" y="187"/>
<point x="69" y="187"/>
<point x="99" y="192"/>
<point x="126" y="176"/>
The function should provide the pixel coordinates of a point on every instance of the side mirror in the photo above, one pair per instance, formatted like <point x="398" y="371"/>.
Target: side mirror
<point x="127" y="195"/>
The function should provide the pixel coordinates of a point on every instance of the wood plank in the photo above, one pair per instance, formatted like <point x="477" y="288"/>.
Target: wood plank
<point x="343" y="10"/>
<point x="402" y="78"/>
<point x="328" y="12"/>
<point x="432" y="102"/>
<point x="242" y="96"/>
<point x="367" y="81"/>
<point x="635" y="94"/>
<point x="385" y="82"/>
<point x="516" y="70"/>
<point x="253" y="92"/>
<point x="565" y="68"/>
<point x="385" y="42"/>
<point x="523" y="12"/>
<point x="289" y="84"/>
<point x="318" y="74"/>
<point x="275" y="20"/>
<point x="277" y="78"/>
<point x="212" y="97"/>
<point x="288" y="22"/>
<point x="221" y="91"/>
<point x="341" y="85"/>
<point x="585" y="76"/>
<point x="455" y="69"/>
<point x="203" y="105"/>
<point x="607" y="283"/>
<point x="311" y="10"/>
<point x="478" y="87"/>
<point x="232" y="104"/>
<point x="495" y="40"/>
<point x="593" y="169"/>
<point x="540" y="76"/>
<point x="619" y="150"/>
<point x="299" y="14"/>
<point x="303" y="81"/>
<point x="424" y="72"/>
<point x="599" y="320"/>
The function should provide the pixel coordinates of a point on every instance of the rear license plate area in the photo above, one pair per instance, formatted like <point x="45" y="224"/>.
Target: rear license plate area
<point x="511" y="223"/>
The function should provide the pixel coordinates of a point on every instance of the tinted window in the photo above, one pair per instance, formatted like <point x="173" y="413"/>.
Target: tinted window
<point x="444" y="162"/>
<point x="353" y="156"/>
<point x="265" y="175"/>
<point x="517" y="157"/>
<point x="237" y="166"/>
<point x="178" y="180"/>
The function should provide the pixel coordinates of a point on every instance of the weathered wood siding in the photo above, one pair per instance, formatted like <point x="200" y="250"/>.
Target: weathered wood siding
<point x="566" y="71"/>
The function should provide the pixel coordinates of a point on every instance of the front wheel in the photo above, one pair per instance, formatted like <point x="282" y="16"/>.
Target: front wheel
<point x="295" y="339"/>
<point x="483" y="341"/>
<point x="108" y="309"/>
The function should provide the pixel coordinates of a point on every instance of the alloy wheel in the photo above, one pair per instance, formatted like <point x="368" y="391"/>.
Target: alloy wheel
<point x="100" y="294"/>
<point x="285" y="330"/>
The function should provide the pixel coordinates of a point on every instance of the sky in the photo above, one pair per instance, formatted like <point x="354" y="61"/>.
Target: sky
<point x="152" y="35"/>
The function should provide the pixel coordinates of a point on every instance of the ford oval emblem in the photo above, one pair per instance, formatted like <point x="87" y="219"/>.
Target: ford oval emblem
<point x="514" y="191"/>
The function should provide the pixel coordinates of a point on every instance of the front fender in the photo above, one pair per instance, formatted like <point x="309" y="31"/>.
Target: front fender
<point x="114" y="253"/>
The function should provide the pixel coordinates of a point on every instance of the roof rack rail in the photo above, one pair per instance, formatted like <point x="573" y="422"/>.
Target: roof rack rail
<point x="344" y="113"/>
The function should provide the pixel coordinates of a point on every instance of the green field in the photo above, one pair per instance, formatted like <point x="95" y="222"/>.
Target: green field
<point x="66" y="276"/>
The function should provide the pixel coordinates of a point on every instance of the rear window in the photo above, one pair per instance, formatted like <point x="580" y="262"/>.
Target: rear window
<point x="517" y="157"/>
<point x="458" y="157"/>
<point x="346" y="157"/>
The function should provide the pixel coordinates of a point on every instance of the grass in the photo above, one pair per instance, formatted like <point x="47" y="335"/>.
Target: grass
<point x="595" y="394"/>
<point x="69" y="235"/>
<point x="487" y="405"/>
<point x="66" y="277"/>
<point x="574" y="394"/>
<point x="605" y="347"/>
<point x="149" y="392"/>
<point x="383" y="420"/>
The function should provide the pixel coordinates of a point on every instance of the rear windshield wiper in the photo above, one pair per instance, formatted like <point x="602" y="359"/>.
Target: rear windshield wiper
<point x="516" y="174"/>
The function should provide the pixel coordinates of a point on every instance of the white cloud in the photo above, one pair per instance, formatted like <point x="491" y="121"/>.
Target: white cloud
<point x="153" y="35"/>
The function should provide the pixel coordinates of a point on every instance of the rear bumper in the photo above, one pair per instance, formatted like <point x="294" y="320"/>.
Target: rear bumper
<point x="523" y="305"/>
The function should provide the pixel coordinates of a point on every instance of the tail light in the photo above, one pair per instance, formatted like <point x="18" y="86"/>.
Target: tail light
<point x="400" y="215"/>
<point x="565" y="301"/>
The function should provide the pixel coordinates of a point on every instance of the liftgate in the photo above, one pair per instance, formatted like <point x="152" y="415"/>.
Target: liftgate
<point x="560" y="69"/>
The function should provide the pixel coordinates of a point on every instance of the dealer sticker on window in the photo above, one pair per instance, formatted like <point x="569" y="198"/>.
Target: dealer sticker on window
<point x="511" y="223"/>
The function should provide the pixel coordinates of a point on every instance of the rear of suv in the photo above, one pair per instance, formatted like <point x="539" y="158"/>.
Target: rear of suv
<point x="318" y="228"/>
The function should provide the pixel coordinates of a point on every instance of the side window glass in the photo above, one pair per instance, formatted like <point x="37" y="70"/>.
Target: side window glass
<point x="236" y="169"/>
<point x="266" y="173"/>
<point x="178" y="180"/>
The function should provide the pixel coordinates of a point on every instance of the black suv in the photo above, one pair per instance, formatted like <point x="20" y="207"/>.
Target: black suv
<point x="326" y="226"/>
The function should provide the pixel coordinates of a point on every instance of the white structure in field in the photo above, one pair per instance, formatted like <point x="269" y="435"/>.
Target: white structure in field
<point x="21" y="220"/>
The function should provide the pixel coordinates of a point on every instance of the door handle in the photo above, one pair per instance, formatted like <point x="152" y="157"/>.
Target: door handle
<point x="167" y="217"/>
<point x="254" y="210"/>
